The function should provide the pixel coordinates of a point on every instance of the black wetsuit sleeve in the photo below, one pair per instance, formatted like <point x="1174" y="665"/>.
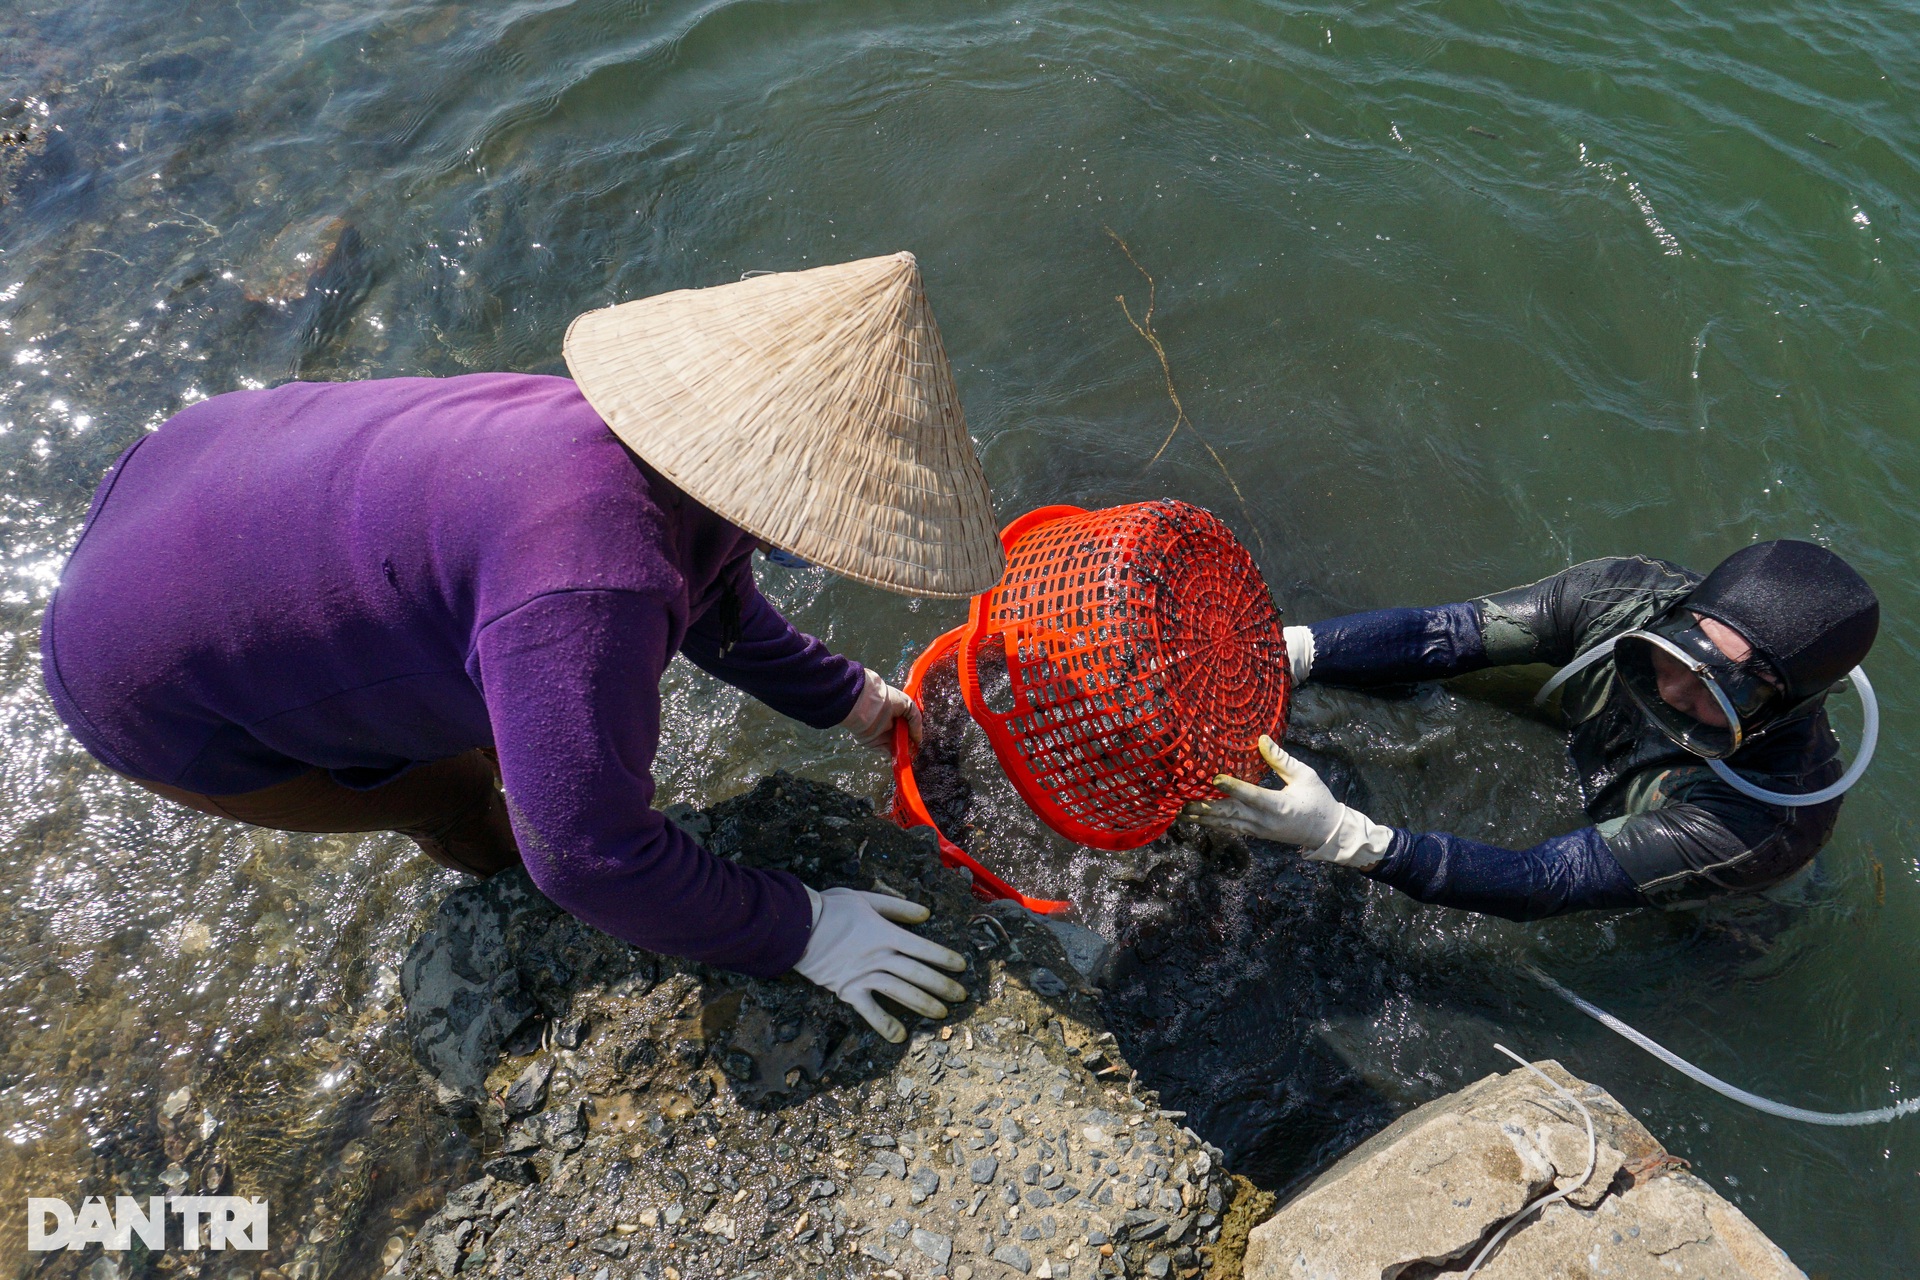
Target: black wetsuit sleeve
<point x="1398" y="646"/>
<point x="1560" y="616"/>
<point x="1551" y="621"/>
<point x="1574" y="872"/>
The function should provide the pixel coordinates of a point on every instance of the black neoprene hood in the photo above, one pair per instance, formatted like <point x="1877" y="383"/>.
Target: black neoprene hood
<point x="1805" y="611"/>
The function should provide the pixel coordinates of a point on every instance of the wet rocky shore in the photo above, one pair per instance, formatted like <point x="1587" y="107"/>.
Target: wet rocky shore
<point x="636" y="1117"/>
<point x="528" y="1098"/>
<point x="639" y="1116"/>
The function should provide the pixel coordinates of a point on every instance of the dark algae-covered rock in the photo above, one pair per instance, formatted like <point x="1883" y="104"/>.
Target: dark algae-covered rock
<point x="465" y="993"/>
<point x="23" y="139"/>
<point x="646" y="1117"/>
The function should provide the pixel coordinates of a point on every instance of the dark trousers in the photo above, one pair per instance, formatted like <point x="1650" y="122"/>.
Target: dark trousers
<point x="453" y="809"/>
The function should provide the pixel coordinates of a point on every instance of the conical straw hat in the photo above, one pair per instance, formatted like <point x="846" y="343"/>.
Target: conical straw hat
<point x="813" y="408"/>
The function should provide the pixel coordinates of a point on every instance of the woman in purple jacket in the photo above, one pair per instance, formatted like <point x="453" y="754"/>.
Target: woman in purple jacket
<point x="370" y="606"/>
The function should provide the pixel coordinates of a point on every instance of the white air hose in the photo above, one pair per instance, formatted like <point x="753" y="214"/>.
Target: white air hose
<point x="1869" y="738"/>
<point x="1713" y="1082"/>
<point x="1572" y="669"/>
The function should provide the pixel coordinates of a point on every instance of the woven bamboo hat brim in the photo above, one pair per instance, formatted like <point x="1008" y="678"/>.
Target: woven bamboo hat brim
<point x="813" y="408"/>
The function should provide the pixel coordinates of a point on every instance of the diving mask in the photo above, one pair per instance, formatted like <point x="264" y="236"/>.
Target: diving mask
<point x="1748" y="701"/>
<point x="1687" y="731"/>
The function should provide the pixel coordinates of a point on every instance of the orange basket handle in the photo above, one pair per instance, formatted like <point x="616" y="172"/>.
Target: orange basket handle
<point x="974" y="632"/>
<point x="910" y="810"/>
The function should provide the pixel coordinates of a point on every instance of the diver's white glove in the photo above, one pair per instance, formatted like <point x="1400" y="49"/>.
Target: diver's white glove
<point x="858" y="952"/>
<point x="1299" y="652"/>
<point x="1303" y="813"/>
<point x="874" y="711"/>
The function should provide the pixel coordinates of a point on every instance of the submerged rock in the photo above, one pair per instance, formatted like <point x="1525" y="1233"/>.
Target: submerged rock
<point x="23" y="138"/>
<point x="300" y="260"/>
<point x="464" y="992"/>
<point x="529" y="1092"/>
<point x="314" y="274"/>
<point x="1087" y="951"/>
<point x="1424" y="1196"/>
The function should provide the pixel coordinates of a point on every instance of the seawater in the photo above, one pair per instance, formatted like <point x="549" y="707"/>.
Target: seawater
<point x="1458" y="293"/>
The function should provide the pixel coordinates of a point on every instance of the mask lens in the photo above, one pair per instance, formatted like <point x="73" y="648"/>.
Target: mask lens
<point x="1642" y="661"/>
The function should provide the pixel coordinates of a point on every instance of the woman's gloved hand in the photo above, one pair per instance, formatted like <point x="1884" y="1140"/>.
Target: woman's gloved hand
<point x="858" y="951"/>
<point x="1301" y="813"/>
<point x="874" y="711"/>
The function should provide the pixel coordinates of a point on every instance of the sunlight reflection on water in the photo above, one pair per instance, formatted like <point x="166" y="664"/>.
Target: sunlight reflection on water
<point x="1434" y="286"/>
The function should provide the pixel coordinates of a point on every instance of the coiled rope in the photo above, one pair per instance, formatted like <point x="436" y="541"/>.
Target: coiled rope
<point x="1593" y="1158"/>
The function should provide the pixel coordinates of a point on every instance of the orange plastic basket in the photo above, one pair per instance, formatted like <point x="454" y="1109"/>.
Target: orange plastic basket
<point x="1143" y="658"/>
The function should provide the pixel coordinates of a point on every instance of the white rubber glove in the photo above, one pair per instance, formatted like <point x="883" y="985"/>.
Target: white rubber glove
<point x="857" y="952"/>
<point x="874" y="711"/>
<point x="1301" y="813"/>
<point x="1299" y="652"/>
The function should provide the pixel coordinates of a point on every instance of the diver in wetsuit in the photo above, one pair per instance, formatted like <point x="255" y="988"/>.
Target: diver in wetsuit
<point x="1694" y="694"/>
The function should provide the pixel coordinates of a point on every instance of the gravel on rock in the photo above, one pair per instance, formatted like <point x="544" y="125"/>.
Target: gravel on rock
<point x="646" y="1118"/>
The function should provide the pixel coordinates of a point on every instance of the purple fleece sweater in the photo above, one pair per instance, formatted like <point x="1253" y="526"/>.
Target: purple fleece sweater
<point x="363" y="576"/>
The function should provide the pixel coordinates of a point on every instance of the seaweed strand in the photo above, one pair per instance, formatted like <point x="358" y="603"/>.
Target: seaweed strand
<point x="1144" y="327"/>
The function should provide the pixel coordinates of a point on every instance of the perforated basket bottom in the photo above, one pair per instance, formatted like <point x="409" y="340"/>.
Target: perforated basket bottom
<point x="1147" y="658"/>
